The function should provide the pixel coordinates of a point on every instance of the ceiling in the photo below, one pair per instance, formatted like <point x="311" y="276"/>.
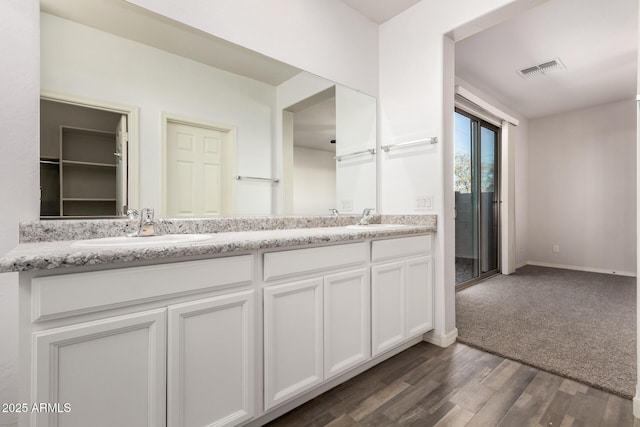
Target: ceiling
<point x="315" y="126"/>
<point x="380" y="11"/>
<point x="595" y="39"/>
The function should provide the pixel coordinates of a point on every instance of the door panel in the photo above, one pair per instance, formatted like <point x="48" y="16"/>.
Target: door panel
<point x="476" y="197"/>
<point x="346" y="321"/>
<point x="419" y="283"/>
<point x="121" y="154"/>
<point x="467" y="251"/>
<point x="194" y="165"/>
<point x="293" y="344"/>
<point x="111" y="372"/>
<point x="387" y="306"/>
<point x="210" y="370"/>
<point x="489" y="199"/>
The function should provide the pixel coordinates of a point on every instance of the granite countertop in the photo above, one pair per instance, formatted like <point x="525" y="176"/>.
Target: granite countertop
<point x="58" y="254"/>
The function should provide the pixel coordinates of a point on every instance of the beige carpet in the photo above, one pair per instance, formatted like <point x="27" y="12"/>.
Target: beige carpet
<point x="576" y="324"/>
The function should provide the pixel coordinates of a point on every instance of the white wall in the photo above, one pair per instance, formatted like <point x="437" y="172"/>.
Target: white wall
<point x="85" y="62"/>
<point x="289" y="93"/>
<point x="582" y="189"/>
<point x="324" y="37"/>
<point x="416" y="60"/>
<point x="18" y="167"/>
<point x="314" y="181"/>
<point x="355" y="132"/>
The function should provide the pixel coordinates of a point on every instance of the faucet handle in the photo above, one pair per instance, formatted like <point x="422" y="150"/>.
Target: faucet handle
<point x="133" y="214"/>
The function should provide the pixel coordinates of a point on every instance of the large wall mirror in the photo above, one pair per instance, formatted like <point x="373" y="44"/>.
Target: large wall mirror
<point x="138" y="110"/>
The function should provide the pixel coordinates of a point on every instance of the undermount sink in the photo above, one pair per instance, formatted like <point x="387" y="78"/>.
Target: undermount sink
<point x="375" y="226"/>
<point x="124" y="241"/>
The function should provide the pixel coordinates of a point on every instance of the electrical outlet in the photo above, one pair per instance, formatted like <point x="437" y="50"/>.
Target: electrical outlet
<point x="556" y="249"/>
<point x="346" y="205"/>
<point x="424" y="202"/>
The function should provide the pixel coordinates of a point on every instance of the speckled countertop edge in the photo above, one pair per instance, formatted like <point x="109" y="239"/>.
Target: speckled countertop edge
<point x="55" y="230"/>
<point x="60" y="254"/>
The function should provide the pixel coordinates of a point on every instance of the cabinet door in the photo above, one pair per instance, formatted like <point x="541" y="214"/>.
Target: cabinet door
<point x="110" y="372"/>
<point x="387" y="306"/>
<point x="346" y="321"/>
<point x="292" y="339"/>
<point x="419" y="286"/>
<point x="210" y="361"/>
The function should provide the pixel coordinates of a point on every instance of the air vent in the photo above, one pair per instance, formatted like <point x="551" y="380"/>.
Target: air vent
<point x="542" y="69"/>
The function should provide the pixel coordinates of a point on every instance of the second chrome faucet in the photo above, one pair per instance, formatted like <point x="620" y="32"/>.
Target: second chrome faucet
<point x="146" y="225"/>
<point x="367" y="216"/>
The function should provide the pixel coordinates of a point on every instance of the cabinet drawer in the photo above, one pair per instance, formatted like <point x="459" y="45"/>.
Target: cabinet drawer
<point x="300" y="261"/>
<point x="401" y="247"/>
<point x="70" y="294"/>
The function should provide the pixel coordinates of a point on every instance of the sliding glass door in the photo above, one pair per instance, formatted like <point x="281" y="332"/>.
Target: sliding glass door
<point x="477" y="197"/>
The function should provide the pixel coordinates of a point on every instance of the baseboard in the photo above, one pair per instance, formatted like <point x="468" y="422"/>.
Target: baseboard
<point x="579" y="268"/>
<point x="441" y="340"/>
<point x="636" y="403"/>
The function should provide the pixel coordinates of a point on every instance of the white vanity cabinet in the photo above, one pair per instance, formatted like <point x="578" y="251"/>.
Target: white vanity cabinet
<point x="107" y="372"/>
<point x="156" y="345"/>
<point x="210" y="378"/>
<point x="401" y="290"/>
<point x="316" y="327"/>
<point x="203" y="343"/>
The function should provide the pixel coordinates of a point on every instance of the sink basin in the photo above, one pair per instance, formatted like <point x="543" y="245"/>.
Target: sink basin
<point x="376" y="226"/>
<point x="127" y="242"/>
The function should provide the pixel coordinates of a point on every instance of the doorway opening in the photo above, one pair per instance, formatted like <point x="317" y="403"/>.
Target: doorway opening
<point x="310" y="141"/>
<point x="477" y="198"/>
<point x="83" y="161"/>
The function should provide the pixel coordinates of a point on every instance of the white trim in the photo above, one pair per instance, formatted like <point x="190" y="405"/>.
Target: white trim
<point x="474" y="99"/>
<point x="133" y="129"/>
<point x="636" y="402"/>
<point x="580" y="268"/>
<point x="441" y="340"/>
<point x="464" y="104"/>
<point x="229" y="154"/>
<point x="507" y="204"/>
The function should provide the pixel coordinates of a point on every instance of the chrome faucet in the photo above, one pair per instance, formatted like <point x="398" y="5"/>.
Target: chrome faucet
<point x="333" y="212"/>
<point x="146" y="226"/>
<point x="367" y="216"/>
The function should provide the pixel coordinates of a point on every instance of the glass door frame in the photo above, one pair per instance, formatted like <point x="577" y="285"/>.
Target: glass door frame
<point x="477" y="125"/>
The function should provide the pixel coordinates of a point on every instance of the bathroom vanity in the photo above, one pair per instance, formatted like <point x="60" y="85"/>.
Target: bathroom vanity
<point x="237" y="328"/>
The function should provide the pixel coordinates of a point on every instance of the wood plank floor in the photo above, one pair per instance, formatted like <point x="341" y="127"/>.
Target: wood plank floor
<point x="460" y="386"/>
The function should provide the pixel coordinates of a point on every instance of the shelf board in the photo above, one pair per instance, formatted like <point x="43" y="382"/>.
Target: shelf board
<point x="50" y="162"/>
<point x="87" y="199"/>
<point x="77" y="163"/>
<point x="85" y="131"/>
